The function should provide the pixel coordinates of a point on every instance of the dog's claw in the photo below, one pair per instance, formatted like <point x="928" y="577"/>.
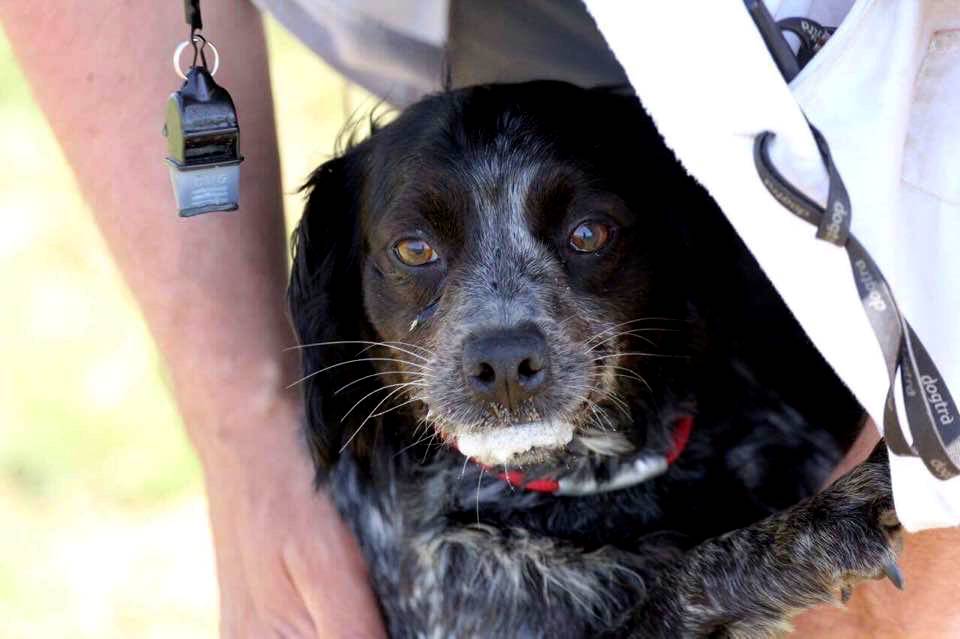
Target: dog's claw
<point x="892" y="571"/>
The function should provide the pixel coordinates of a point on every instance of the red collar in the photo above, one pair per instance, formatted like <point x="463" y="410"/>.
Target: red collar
<point x="631" y="473"/>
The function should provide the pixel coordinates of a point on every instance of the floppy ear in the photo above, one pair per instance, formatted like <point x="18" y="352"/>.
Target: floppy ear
<point x="326" y="301"/>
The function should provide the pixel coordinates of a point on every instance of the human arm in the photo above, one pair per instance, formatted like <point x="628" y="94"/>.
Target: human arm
<point x="211" y="290"/>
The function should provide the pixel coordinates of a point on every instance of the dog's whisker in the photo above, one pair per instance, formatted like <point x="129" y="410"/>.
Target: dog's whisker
<point x="367" y="418"/>
<point x="601" y="418"/>
<point x="355" y="361"/>
<point x="479" y="479"/>
<point x="596" y="410"/>
<point x="397" y="386"/>
<point x="643" y="329"/>
<point x="372" y="346"/>
<point x="409" y="446"/>
<point x="396" y="406"/>
<point x="615" y="399"/>
<point x="633" y="321"/>
<point x="635" y="332"/>
<point x="420" y="348"/>
<point x="621" y="334"/>
<point x="506" y="473"/>
<point x="421" y="424"/>
<point x="598" y="416"/>
<point x="641" y="354"/>
<point x="605" y="422"/>
<point x="419" y="375"/>
<point x="633" y="379"/>
<point x="419" y="441"/>
<point x="614" y="327"/>
<point x="630" y="374"/>
<point x="426" y="450"/>
<point x="368" y="343"/>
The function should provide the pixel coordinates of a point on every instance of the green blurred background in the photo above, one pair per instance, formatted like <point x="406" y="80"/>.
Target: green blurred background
<point x="103" y="529"/>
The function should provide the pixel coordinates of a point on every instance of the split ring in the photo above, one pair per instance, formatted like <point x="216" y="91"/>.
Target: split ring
<point x="183" y="45"/>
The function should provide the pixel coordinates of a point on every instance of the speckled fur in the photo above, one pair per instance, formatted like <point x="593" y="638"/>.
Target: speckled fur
<point x="728" y="542"/>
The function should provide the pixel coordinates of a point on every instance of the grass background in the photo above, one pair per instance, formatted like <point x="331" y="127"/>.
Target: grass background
<point x="103" y="529"/>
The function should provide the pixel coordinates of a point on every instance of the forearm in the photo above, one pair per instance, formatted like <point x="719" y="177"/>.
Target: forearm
<point x="210" y="288"/>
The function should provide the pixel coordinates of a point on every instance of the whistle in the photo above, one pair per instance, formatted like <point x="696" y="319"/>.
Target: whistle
<point x="203" y="145"/>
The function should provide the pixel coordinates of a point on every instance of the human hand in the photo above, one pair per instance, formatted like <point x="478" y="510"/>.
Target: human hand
<point x="286" y="563"/>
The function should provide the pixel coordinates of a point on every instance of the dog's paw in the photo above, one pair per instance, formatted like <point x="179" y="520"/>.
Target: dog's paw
<point x="751" y="582"/>
<point x="854" y="529"/>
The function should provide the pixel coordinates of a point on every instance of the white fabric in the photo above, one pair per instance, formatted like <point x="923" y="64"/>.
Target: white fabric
<point x="417" y="19"/>
<point x="885" y="92"/>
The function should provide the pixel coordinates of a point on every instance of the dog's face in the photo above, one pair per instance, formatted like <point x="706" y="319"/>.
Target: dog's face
<point x="515" y="260"/>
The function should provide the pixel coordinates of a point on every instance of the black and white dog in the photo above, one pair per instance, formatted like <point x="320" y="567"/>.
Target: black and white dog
<point x="553" y="394"/>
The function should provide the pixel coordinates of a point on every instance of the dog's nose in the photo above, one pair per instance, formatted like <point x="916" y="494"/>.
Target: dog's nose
<point x="506" y="365"/>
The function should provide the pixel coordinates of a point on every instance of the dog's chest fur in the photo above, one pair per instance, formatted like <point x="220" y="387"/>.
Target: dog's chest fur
<point x="456" y="552"/>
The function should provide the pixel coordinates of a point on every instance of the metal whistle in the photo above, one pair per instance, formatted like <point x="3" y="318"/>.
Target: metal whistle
<point x="203" y="144"/>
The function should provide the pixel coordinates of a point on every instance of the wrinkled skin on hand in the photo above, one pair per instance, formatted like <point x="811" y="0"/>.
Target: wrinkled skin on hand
<point x="280" y="543"/>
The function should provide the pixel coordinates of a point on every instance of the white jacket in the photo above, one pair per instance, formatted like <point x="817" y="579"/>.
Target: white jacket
<point x="885" y="92"/>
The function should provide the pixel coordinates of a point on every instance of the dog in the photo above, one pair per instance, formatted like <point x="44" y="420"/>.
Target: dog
<point x="554" y="395"/>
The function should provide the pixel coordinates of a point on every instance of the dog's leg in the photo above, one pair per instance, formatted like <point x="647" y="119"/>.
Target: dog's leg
<point x="750" y="582"/>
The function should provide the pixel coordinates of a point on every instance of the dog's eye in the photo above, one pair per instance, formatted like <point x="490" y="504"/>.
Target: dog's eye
<point x="589" y="237"/>
<point x="414" y="252"/>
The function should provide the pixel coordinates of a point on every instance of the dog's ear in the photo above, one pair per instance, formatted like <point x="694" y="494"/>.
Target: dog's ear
<point x="326" y="301"/>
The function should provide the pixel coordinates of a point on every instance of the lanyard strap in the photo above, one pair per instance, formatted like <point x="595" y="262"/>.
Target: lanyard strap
<point x="930" y="409"/>
<point x="191" y="9"/>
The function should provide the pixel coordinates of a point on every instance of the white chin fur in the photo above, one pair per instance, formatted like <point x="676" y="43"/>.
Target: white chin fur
<point x="498" y="445"/>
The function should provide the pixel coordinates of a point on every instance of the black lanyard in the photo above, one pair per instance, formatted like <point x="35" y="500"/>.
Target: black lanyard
<point x="931" y="412"/>
<point x="191" y="8"/>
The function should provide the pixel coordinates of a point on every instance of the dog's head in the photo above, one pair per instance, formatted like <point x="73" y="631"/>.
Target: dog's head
<point x="502" y="266"/>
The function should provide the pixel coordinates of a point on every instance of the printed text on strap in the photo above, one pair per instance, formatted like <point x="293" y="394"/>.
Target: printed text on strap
<point x="931" y="412"/>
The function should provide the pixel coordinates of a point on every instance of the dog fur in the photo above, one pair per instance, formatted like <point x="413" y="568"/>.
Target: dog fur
<point x="671" y="317"/>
